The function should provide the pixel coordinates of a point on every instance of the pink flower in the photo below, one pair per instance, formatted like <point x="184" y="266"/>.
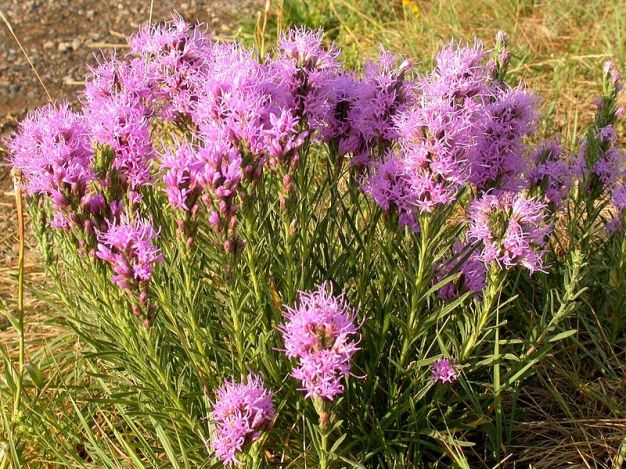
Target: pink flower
<point x="550" y="172"/>
<point x="511" y="228"/>
<point x="320" y="332"/>
<point x="128" y="246"/>
<point x="443" y="371"/>
<point x="53" y="152"/>
<point x="240" y="413"/>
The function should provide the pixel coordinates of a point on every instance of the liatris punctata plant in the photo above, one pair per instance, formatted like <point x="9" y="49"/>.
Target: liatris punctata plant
<point x="202" y="186"/>
<point x="241" y="411"/>
<point x="320" y="332"/>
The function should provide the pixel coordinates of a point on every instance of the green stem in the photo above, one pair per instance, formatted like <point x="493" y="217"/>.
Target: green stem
<point x="321" y="406"/>
<point x="324" y="448"/>
<point x="20" y="296"/>
<point x="289" y="270"/>
<point x="494" y="285"/>
<point x="230" y="266"/>
<point x="17" y="398"/>
<point x="496" y="387"/>
<point x="250" y="259"/>
<point x="197" y="338"/>
<point x="418" y="290"/>
<point x="238" y="340"/>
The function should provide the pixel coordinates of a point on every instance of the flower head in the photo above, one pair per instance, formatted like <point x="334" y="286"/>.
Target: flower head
<point x="511" y="228"/>
<point x="53" y="152"/>
<point x="118" y="114"/>
<point x="183" y="178"/>
<point x="240" y="413"/>
<point x="600" y="163"/>
<point x="128" y="246"/>
<point x="305" y="48"/>
<point x="388" y="184"/>
<point x="618" y="202"/>
<point x="320" y="332"/>
<point x="235" y="99"/>
<point x="438" y="130"/>
<point x="612" y="75"/>
<point x="177" y="55"/>
<point x="443" y="371"/>
<point x="384" y="93"/>
<point x="550" y="172"/>
<point x="497" y="158"/>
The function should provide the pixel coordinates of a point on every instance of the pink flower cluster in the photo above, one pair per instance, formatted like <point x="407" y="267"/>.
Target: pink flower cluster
<point x="511" y="229"/>
<point x="321" y="333"/>
<point x="443" y="371"/>
<point x="550" y="173"/>
<point x="128" y="247"/>
<point x="53" y="152"/>
<point x="240" y="413"/>
<point x="462" y="127"/>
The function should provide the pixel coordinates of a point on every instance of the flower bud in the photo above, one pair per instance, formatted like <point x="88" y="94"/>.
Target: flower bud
<point x="214" y="218"/>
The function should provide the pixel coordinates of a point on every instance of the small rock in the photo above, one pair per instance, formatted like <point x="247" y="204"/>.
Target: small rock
<point x="64" y="46"/>
<point x="48" y="45"/>
<point x="76" y="44"/>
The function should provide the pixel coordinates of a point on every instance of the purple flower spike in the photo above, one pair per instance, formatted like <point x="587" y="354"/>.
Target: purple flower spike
<point x="53" y="152"/>
<point x="618" y="202"/>
<point x="183" y="181"/>
<point x="320" y="332"/>
<point x="497" y="158"/>
<point x="550" y="172"/>
<point x="241" y="412"/>
<point x="443" y="371"/>
<point x="305" y="48"/>
<point x="389" y="187"/>
<point x="436" y="133"/>
<point x="615" y="78"/>
<point x="512" y="230"/>
<point x="177" y="55"/>
<point x="129" y="248"/>
<point x="118" y="114"/>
